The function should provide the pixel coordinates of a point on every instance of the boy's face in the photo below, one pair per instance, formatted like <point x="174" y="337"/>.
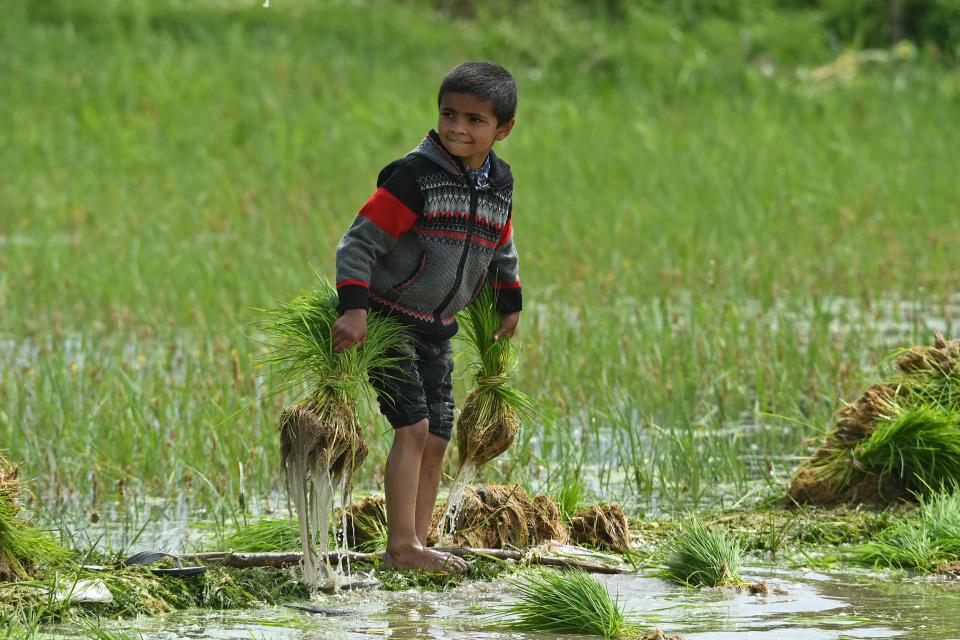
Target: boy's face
<point x="468" y="127"/>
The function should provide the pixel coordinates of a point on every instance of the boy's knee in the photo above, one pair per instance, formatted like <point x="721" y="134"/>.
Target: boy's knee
<point x="414" y="434"/>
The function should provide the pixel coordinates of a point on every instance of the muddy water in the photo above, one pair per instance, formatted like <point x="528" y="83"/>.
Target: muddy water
<point x="820" y="606"/>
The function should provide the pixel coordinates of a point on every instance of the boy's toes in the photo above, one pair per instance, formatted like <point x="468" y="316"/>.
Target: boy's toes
<point x="451" y="563"/>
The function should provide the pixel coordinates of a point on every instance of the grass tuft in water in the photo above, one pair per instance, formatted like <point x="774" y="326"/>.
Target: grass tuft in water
<point x="700" y="556"/>
<point x="924" y="542"/>
<point x="571" y="602"/>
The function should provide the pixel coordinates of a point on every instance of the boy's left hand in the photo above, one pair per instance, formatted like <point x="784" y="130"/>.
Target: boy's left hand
<point x="507" y="326"/>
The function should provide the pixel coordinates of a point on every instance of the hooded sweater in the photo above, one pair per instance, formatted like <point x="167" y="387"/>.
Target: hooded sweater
<point x="428" y="240"/>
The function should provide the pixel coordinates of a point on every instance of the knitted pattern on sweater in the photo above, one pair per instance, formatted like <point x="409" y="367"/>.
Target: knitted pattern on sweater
<point x="428" y="240"/>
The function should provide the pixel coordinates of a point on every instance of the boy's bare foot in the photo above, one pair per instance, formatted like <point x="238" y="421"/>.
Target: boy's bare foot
<point x="420" y="558"/>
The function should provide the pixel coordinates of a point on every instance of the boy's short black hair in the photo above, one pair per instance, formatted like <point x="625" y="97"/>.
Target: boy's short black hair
<point x="487" y="81"/>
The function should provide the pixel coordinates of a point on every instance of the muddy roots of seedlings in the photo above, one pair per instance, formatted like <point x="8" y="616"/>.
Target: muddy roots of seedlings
<point x="487" y="427"/>
<point x="504" y="516"/>
<point x="321" y="445"/>
<point x="602" y="526"/>
<point x="898" y="438"/>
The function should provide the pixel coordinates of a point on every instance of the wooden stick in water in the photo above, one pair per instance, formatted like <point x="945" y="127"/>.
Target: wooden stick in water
<point x="293" y="558"/>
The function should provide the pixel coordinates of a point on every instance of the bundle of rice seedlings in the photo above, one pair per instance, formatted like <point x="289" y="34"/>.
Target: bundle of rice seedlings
<point x="24" y="549"/>
<point x="900" y="438"/>
<point x="603" y="526"/>
<point x="493" y="411"/>
<point x="547" y="523"/>
<point x="919" y="444"/>
<point x="504" y="516"/>
<point x="321" y="439"/>
<point x="572" y="602"/>
<point x="924" y="542"/>
<point x="702" y="557"/>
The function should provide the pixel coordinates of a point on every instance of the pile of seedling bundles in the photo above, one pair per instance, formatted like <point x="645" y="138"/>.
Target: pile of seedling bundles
<point x="494" y="410"/>
<point x="899" y="440"/>
<point x="321" y="439"/>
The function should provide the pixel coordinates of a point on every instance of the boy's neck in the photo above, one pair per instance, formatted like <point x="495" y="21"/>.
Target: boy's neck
<point x="479" y="164"/>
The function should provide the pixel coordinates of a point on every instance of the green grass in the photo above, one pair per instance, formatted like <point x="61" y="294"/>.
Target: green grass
<point x="708" y="233"/>
<point x="94" y="631"/>
<point x="702" y="556"/>
<point x="138" y="592"/>
<point x="268" y="534"/>
<point x="569" y="602"/>
<point x="920" y="444"/>
<point x="923" y="542"/>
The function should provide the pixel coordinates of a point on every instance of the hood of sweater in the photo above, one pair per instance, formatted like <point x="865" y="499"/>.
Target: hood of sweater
<point x="432" y="149"/>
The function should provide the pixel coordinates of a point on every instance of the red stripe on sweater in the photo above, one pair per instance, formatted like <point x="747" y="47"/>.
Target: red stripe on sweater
<point x="387" y="212"/>
<point x="359" y="283"/>
<point x="456" y="235"/>
<point x="506" y="285"/>
<point x="506" y="233"/>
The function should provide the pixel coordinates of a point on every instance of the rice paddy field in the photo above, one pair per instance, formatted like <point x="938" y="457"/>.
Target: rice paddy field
<point x="726" y="224"/>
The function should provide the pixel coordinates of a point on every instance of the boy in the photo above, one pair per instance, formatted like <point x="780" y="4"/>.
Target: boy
<point x="435" y="232"/>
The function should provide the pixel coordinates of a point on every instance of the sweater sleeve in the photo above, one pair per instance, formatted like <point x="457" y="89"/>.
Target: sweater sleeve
<point x="391" y="211"/>
<point x="504" y="275"/>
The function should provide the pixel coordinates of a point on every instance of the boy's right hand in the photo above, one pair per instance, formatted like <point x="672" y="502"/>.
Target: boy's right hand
<point x="349" y="329"/>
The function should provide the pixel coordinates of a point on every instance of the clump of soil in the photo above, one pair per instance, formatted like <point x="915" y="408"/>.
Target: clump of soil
<point x="763" y="589"/>
<point x="603" y="526"/>
<point x="659" y="635"/>
<point x="833" y="475"/>
<point x="504" y="516"/>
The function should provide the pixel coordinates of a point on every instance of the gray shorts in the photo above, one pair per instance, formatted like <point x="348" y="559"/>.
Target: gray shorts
<point x="422" y="387"/>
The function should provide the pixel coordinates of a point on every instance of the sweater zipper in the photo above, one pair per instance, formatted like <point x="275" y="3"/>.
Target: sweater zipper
<point x="472" y="212"/>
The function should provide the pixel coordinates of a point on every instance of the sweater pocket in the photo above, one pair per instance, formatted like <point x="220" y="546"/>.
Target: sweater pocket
<point x="415" y="274"/>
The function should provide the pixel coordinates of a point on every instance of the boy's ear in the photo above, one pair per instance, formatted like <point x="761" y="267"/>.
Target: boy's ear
<point x="504" y="129"/>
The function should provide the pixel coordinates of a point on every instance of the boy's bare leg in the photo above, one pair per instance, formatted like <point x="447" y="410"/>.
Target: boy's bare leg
<point x="401" y="485"/>
<point x="430" y="468"/>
